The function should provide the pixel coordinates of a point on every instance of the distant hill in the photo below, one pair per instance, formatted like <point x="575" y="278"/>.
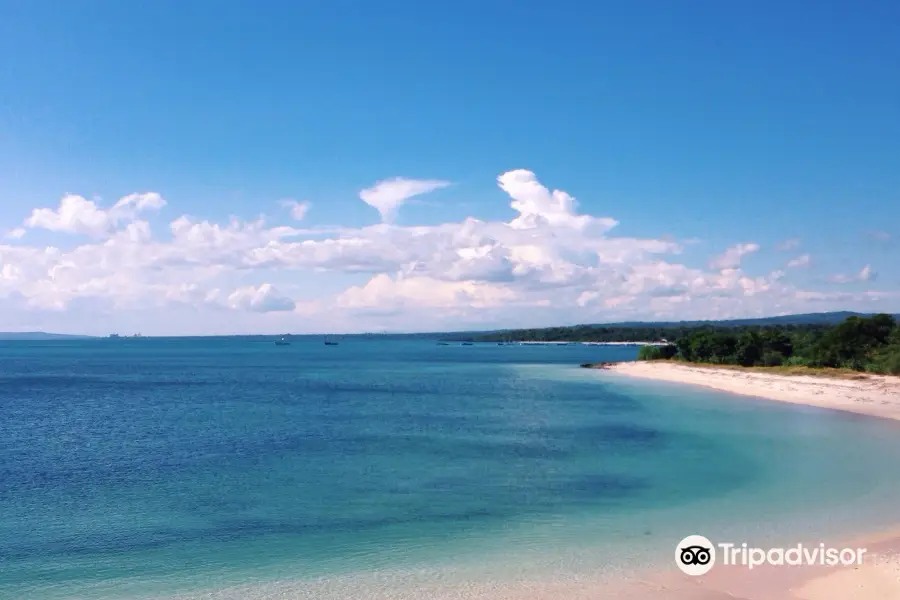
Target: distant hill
<point x="652" y="331"/>
<point x="826" y="318"/>
<point x="38" y="336"/>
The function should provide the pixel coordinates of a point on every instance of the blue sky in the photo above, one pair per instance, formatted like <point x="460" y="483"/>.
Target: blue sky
<point x="701" y="124"/>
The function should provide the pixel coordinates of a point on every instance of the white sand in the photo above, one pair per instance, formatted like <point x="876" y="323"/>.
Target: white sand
<point x="874" y="395"/>
<point x="877" y="581"/>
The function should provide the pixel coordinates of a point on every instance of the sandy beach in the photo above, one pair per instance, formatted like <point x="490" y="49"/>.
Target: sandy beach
<point x="878" y="578"/>
<point x="879" y="396"/>
<point x="873" y="395"/>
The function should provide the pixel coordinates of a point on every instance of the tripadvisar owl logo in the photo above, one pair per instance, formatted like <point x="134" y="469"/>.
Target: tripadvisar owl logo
<point x="695" y="555"/>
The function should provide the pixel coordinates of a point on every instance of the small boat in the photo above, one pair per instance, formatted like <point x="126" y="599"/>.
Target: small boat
<point x="327" y="343"/>
<point x="468" y="344"/>
<point x="282" y="342"/>
<point x="443" y="344"/>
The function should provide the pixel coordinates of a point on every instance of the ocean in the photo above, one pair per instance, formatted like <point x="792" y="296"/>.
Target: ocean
<point x="226" y="468"/>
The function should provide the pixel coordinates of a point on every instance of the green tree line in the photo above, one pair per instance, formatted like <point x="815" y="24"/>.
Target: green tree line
<point x="859" y="343"/>
<point x="593" y="333"/>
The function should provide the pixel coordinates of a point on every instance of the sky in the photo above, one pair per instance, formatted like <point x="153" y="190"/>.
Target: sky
<point x="185" y="168"/>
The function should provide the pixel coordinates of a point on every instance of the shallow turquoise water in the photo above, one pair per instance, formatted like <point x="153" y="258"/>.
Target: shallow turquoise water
<point x="160" y="467"/>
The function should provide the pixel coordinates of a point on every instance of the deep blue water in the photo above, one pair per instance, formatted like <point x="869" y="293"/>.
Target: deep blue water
<point x="149" y="467"/>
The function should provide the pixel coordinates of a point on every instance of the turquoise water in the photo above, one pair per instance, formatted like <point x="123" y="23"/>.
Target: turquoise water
<point x="233" y="468"/>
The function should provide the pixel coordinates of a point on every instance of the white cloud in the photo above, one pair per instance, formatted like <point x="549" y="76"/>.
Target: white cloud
<point x="298" y="210"/>
<point x="386" y="292"/>
<point x="537" y="205"/>
<point x="264" y="298"/>
<point x="9" y="272"/>
<point x="16" y="234"/>
<point x="546" y="264"/>
<point x="881" y="236"/>
<point x="130" y="205"/>
<point x="804" y="260"/>
<point x="388" y="195"/>
<point x="76" y="214"/>
<point x="732" y="257"/>
<point x="865" y="274"/>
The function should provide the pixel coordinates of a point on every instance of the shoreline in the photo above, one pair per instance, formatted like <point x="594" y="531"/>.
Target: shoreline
<point x="867" y="394"/>
<point x="870" y="395"/>
<point x="877" y="579"/>
<point x="569" y="343"/>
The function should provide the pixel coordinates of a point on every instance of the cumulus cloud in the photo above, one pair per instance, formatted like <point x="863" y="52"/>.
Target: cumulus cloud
<point x="731" y="258"/>
<point x="804" y="260"/>
<point x="76" y="214"/>
<point x="537" y="205"/>
<point x="865" y="274"/>
<point x="264" y="298"/>
<point x="547" y="263"/>
<point x="16" y="234"/>
<point x="384" y="291"/>
<point x="130" y="205"/>
<point x="298" y="210"/>
<point x="388" y="195"/>
<point x="9" y="272"/>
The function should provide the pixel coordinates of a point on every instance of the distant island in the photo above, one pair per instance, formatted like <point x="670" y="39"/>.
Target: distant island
<point x="39" y="336"/>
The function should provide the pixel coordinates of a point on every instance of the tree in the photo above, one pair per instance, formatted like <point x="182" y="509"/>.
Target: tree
<point x="879" y="328"/>
<point x="777" y="341"/>
<point x="685" y="348"/>
<point x="862" y="343"/>
<point x="749" y="349"/>
<point x="852" y="343"/>
<point x="887" y="358"/>
<point x="657" y="352"/>
<point x="649" y="353"/>
<point x="723" y="346"/>
<point x="772" y="359"/>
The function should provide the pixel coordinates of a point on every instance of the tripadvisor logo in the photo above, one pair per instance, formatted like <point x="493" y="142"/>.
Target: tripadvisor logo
<point x="695" y="555"/>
